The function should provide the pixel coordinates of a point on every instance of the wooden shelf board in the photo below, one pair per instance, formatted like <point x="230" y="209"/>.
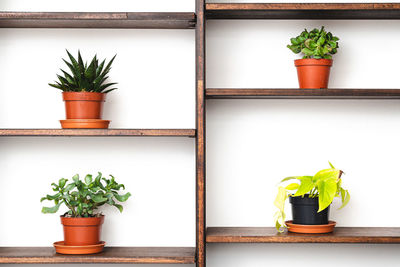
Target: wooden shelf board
<point x="141" y="20"/>
<point x="98" y="132"/>
<point x="270" y="235"/>
<point x="109" y="255"/>
<point x="224" y="93"/>
<point x="303" y="11"/>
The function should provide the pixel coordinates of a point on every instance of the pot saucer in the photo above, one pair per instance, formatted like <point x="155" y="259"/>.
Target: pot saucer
<point x="88" y="249"/>
<point x="310" y="229"/>
<point x="84" y="124"/>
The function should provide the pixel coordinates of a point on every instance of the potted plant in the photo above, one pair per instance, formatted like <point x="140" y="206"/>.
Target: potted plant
<point x="84" y="92"/>
<point x="317" y="46"/>
<point x="311" y="197"/>
<point x="82" y="222"/>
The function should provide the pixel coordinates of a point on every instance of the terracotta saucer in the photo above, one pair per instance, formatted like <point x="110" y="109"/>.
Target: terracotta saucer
<point x="84" y="124"/>
<point x="310" y="229"/>
<point x="89" y="249"/>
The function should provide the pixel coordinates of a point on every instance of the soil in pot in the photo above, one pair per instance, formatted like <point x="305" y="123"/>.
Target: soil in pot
<point x="83" y="105"/>
<point x="313" y="73"/>
<point x="82" y="231"/>
<point x="305" y="211"/>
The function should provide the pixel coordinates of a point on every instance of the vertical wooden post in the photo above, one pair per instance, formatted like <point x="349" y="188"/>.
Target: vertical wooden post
<point x="200" y="137"/>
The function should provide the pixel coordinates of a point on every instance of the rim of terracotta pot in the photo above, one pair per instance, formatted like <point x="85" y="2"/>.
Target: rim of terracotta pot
<point x="71" y="221"/>
<point x="313" y="62"/>
<point x="79" y="96"/>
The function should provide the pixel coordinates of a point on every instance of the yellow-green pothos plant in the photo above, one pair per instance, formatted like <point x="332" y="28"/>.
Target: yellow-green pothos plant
<point x="325" y="184"/>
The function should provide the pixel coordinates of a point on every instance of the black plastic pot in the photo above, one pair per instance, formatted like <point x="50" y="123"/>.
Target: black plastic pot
<point x="305" y="211"/>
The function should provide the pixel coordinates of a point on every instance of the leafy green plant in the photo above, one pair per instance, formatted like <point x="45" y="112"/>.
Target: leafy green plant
<point x="84" y="78"/>
<point x="83" y="198"/>
<point x="325" y="184"/>
<point x="315" y="44"/>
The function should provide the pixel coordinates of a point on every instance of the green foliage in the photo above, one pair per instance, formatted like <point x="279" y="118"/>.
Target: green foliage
<point x="325" y="184"/>
<point x="85" y="78"/>
<point x="315" y="44"/>
<point x="83" y="198"/>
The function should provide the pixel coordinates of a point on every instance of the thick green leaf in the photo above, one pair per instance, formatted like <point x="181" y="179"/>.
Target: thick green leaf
<point x="327" y="191"/>
<point x="345" y="198"/>
<point x="279" y="219"/>
<point x="109" y="90"/>
<point x="306" y="185"/>
<point x="75" y="178"/>
<point x="53" y="197"/>
<point x="119" y="207"/>
<point x="292" y="186"/>
<point x="98" y="198"/>
<point x="289" y="178"/>
<point x="62" y="182"/>
<point x="88" y="179"/>
<point x="326" y="175"/>
<point x="51" y="209"/>
<point x="122" y="198"/>
<point x="295" y="48"/>
<point x="281" y="198"/>
<point x="57" y="86"/>
<point x="69" y="187"/>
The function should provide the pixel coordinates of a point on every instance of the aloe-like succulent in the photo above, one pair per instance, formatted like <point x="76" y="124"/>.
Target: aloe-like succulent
<point x="84" y="78"/>
<point x="315" y="44"/>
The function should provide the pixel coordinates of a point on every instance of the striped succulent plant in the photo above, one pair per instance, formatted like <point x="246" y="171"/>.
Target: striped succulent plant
<point x="84" y="78"/>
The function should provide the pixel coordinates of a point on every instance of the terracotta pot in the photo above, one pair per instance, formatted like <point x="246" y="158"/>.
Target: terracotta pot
<point x="313" y="73"/>
<point x="83" y="105"/>
<point x="82" y="231"/>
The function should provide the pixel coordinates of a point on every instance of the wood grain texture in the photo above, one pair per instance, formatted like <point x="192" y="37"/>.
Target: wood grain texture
<point x="270" y="235"/>
<point x="304" y="93"/>
<point x="201" y="136"/>
<point x="302" y="6"/>
<point x="109" y="255"/>
<point x="98" y="132"/>
<point x="141" y="20"/>
<point x="303" y="11"/>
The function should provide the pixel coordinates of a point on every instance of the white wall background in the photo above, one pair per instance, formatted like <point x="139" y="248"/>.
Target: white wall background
<point x="251" y="144"/>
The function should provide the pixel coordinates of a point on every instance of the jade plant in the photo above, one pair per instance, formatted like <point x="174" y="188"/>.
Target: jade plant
<point x="325" y="184"/>
<point x="83" y="198"/>
<point x="84" y="77"/>
<point x="315" y="44"/>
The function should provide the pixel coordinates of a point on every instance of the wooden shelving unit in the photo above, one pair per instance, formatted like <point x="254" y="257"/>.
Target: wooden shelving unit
<point x="112" y="20"/>
<point x="167" y="255"/>
<point x="270" y="235"/>
<point x="320" y="11"/>
<point x="303" y="11"/>
<point x="304" y="93"/>
<point x="98" y="132"/>
<point x="106" y="20"/>
<point x="197" y="21"/>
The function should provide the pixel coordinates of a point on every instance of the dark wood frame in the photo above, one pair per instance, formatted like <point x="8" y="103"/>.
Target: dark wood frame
<point x="150" y="20"/>
<point x="113" y="20"/>
<point x="201" y="136"/>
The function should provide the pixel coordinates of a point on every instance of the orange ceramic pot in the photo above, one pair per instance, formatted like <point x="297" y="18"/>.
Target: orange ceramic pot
<point x="313" y="73"/>
<point x="83" y="105"/>
<point x="82" y="231"/>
